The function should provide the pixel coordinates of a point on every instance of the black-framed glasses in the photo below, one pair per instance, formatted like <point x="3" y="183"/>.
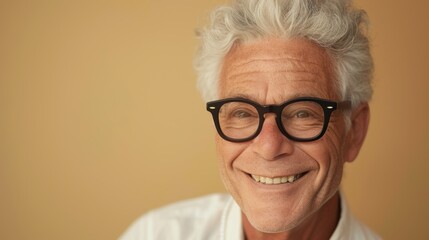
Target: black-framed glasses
<point x="301" y="119"/>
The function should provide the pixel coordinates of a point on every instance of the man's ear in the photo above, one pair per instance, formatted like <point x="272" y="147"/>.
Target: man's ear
<point x="357" y="132"/>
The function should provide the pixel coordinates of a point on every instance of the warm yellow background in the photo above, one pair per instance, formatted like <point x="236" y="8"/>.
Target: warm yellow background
<point x="100" y="120"/>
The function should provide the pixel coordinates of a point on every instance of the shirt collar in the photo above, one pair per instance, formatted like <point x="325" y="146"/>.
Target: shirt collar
<point x="231" y="223"/>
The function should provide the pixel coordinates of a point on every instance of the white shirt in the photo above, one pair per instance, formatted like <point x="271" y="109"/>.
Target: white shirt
<point x="218" y="217"/>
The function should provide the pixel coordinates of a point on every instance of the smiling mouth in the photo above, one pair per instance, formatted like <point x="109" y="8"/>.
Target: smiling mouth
<point x="277" y="180"/>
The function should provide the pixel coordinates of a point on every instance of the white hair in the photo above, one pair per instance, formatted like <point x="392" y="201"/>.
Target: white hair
<point x="332" y="24"/>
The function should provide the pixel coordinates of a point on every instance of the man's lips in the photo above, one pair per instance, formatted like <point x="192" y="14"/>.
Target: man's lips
<point x="277" y="180"/>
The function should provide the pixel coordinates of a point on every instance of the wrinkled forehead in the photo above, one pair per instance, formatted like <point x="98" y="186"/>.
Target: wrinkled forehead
<point x="277" y="68"/>
<point x="299" y="48"/>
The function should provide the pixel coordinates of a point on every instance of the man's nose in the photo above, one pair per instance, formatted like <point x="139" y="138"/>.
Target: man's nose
<point x="271" y="144"/>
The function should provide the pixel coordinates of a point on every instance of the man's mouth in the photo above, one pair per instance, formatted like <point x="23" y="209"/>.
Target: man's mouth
<point x="277" y="180"/>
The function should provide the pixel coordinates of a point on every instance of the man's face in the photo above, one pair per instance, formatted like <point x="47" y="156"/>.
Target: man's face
<point x="271" y="72"/>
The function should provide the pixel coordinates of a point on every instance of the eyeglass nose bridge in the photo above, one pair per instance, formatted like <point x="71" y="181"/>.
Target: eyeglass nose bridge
<point x="270" y="109"/>
<point x="276" y="110"/>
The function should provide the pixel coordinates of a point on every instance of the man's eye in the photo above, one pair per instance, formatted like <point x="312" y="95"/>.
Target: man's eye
<point x="302" y="114"/>
<point x="242" y="114"/>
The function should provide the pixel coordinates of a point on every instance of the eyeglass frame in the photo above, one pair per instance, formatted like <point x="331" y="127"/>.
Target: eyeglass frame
<point x="328" y="107"/>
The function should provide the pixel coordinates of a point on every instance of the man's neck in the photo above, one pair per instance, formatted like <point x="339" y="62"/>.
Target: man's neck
<point x="321" y="225"/>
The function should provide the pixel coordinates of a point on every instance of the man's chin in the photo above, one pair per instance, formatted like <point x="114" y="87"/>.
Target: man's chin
<point x="272" y="223"/>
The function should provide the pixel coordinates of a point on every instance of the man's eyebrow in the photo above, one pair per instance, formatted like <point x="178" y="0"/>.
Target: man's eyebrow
<point x="242" y="94"/>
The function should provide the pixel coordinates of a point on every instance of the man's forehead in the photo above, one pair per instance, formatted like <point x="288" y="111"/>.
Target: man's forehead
<point x="297" y="49"/>
<point x="264" y="94"/>
<point x="280" y="68"/>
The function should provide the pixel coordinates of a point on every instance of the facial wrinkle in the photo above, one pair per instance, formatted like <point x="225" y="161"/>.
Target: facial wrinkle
<point x="274" y="65"/>
<point x="291" y="59"/>
<point x="244" y="74"/>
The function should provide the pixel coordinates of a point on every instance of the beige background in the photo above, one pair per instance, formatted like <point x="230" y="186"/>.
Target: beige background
<point x="100" y="120"/>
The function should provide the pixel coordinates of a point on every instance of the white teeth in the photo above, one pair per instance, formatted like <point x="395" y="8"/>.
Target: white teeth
<point x="257" y="178"/>
<point x="277" y="180"/>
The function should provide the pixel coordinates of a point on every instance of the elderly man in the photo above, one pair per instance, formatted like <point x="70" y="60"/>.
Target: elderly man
<point x="288" y="84"/>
